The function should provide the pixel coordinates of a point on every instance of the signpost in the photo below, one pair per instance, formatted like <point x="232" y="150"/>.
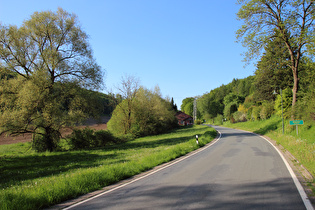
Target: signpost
<point x="296" y="123"/>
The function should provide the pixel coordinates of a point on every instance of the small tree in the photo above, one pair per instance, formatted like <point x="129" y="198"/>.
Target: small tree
<point x="128" y="90"/>
<point x="150" y="114"/>
<point x="49" y="60"/>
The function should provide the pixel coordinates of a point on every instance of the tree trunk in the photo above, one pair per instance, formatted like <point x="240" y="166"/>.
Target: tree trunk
<point x="295" y="85"/>
<point x="295" y="60"/>
<point x="52" y="136"/>
<point x="49" y="139"/>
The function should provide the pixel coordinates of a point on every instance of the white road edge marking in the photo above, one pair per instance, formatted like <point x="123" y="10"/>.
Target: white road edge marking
<point x="296" y="181"/>
<point x="153" y="172"/>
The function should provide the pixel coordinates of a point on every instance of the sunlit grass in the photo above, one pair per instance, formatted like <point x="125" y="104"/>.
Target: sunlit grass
<point x="31" y="180"/>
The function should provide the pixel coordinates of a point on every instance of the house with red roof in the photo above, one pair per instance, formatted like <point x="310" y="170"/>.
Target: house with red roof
<point x="184" y="119"/>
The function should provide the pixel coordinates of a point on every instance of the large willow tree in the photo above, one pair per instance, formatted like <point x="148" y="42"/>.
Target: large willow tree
<point x="292" y="21"/>
<point x="44" y="63"/>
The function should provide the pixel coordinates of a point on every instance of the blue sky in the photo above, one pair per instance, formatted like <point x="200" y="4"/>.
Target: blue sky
<point x="186" y="47"/>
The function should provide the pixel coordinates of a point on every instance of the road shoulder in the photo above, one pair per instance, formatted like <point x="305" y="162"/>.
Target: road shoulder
<point x="303" y="175"/>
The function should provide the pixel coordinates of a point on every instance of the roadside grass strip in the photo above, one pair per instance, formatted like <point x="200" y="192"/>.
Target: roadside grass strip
<point x="31" y="180"/>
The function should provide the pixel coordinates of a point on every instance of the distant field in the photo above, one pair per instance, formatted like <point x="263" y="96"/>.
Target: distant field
<point x="30" y="180"/>
<point x="100" y="124"/>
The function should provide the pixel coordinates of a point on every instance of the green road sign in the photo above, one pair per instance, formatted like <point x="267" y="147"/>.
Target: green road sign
<point x="296" y="122"/>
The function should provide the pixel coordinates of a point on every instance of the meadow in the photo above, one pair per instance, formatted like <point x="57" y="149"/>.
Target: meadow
<point x="30" y="180"/>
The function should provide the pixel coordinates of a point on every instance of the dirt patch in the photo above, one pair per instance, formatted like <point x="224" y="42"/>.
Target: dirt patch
<point x="97" y="124"/>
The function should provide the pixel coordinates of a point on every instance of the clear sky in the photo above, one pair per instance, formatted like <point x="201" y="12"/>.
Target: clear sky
<point x="186" y="47"/>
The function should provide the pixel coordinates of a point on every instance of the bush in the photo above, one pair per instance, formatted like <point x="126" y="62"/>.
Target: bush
<point x="80" y="138"/>
<point x="88" y="138"/>
<point x="239" y="116"/>
<point x="266" y="110"/>
<point x="104" y="137"/>
<point x="256" y="112"/>
<point x="38" y="143"/>
<point x="198" y="122"/>
<point x="229" y="109"/>
<point x="218" y="120"/>
<point x="43" y="141"/>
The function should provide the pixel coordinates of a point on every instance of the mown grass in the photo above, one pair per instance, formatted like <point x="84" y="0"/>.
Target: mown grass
<point x="302" y="146"/>
<point x="30" y="180"/>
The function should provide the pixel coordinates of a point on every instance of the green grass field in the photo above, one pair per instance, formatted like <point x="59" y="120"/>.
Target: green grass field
<point x="30" y="180"/>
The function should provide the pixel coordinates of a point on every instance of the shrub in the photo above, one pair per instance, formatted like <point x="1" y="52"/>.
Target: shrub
<point x="256" y="112"/>
<point x="104" y="137"/>
<point x="81" y="138"/>
<point x="198" y="122"/>
<point x="239" y="116"/>
<point x="218" y="120"/>
<point x="43" y="141"/>
<point x="38" y="143"/>
<point x="229" y="109"/>
<point x="266" y="110"/>
<point x="88" y="138"/>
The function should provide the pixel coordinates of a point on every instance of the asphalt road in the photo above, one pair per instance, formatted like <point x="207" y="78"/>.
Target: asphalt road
<point x="240" y="171"/>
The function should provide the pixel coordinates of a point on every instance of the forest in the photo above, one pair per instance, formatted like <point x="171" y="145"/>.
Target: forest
<point x="258" y="97"/>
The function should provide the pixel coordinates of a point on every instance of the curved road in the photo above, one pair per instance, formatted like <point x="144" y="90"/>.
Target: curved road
<point x="240" y="171"/>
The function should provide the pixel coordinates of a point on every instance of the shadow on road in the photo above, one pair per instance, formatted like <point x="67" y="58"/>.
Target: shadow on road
<point x="274" y="194"/>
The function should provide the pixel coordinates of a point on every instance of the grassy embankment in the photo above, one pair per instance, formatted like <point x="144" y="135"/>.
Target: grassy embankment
<point x="30" y="180"/>
<point x="301" y="146"/>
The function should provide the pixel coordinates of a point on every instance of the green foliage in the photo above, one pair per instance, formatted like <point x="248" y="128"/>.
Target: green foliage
<point x="118" y="124"/>
<point x="286" y="99"/>
<point x="256" y="113"/>
<point x="272" y="70"/>
<point x="306" y="105"/>
<point x="237" y="99"/>
<point x="45" y="64"/>
<point x="218" y="120"/>
<point x="267" y="110"/>
<point x="81" y="138"/>
<point x="147" y="114"/>
<point x="229" y="109"/>
<point x="239" y="116"/>
<point x="215" y="102"/>
<point x="88" y="138"/>
<point x="45" y="140"/>
<point x="209" y="106"/>
<point x="173" y="105"/>
<point x="289" y="21"/>
<point x="187" y="106"/>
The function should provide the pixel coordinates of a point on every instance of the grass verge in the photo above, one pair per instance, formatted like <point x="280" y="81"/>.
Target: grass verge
<point x="30" y="180"/>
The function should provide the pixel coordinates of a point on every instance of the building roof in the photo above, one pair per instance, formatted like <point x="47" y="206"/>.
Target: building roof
<point x="182" y="116"/>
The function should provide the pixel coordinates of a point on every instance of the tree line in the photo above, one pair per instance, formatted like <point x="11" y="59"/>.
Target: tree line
<point x="253" y="98"/>
<point x="280" y="34"/>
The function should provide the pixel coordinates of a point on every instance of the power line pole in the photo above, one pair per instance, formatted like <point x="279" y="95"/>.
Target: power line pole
<point x="195" y="109"/>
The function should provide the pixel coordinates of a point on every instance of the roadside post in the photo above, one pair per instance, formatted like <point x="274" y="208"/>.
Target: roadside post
<point x="197" y="139"/>
<point x="296" y="123"/>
